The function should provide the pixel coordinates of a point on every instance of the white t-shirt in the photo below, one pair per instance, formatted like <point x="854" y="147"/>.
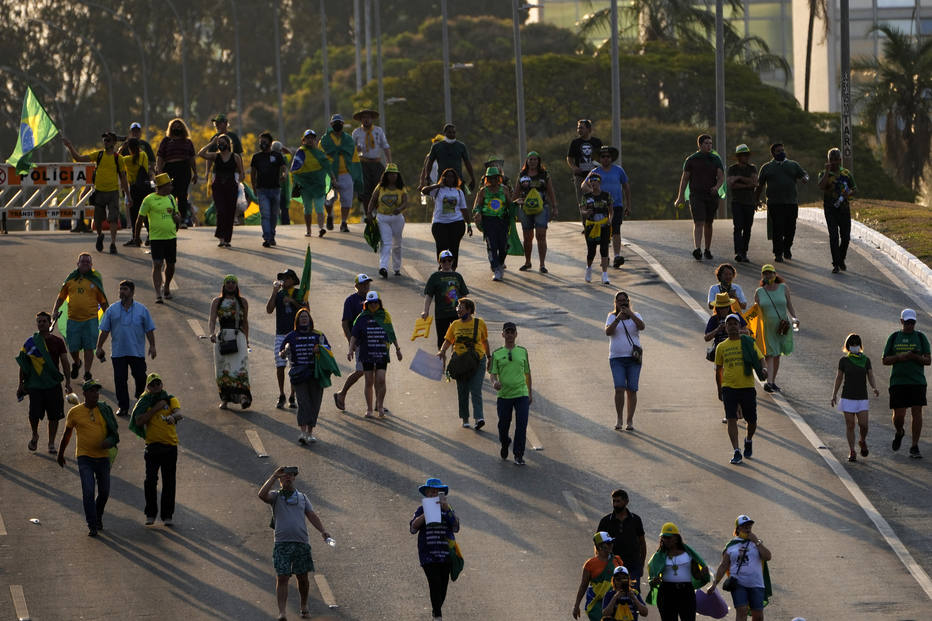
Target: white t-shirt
<point x="619" y="345"/>
<point x="683" y="568"/>
<point x="746" y="567"/>
<point x="736" y="290"/>
<point x="448" y="203"/>
<point x="378" y="137"/>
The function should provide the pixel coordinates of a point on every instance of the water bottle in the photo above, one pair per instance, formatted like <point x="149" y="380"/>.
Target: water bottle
<point x="330" y="542"/>
<point x="795" y="325"/>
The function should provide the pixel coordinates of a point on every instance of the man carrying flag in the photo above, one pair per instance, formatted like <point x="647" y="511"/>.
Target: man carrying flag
<point x="35" y="129"/>
<point x="83" y="295"/>
<point x="285" y="303"/>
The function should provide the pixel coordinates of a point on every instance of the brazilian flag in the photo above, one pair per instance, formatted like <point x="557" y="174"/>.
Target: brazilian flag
<point x="35" y="129"/>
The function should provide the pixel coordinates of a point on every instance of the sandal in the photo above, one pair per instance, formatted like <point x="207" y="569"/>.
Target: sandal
<point x="524" y="267"/>
<point x="340" y="403"/>
<point x="369" y="415"/>
<point x="33" y="444"/>
<point x="619" y="427"/>
<point x="629" y="427"/>
<point x="544" y="270"/>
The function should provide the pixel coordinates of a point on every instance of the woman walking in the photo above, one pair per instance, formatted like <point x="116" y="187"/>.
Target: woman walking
<point x="137" y="177"/>
<point x="372" y="335"/>
<point x="725" y="275"/>
<point x="303" y="347"/>
<point x="469" y="338"/>
<point x="436" y="543"/>
<point x="596" y="211"/>
<point x="451" y="218"/>
<point x="226" y="165"/>
<point x="176" y="157"/>
<point x="773" y="297"/>
<point x="623" y="328"/>
<point x="745" y="561"/>
<point x="231" y="349"/>
<point x="597" y="575"/>
<point x="537" y="206"/>
<point x="445" y="287"/>
<point x="676" y="571"/>
<point x="387" y="205"/>
<point x="491" y="207"/>
<point x="854" y="368"/>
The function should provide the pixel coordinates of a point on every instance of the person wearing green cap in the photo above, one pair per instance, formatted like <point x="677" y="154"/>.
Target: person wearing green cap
<point x="155" y="419"/>
<point x="491" y="207"/>
<point x="387" y="206"/>
<point x="742" y="179"/>
<point x="537" y="205"/>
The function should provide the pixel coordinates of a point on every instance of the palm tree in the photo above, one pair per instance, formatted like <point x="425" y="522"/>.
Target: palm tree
<point x="897" y="88"/>
<point x="817" y="9"/>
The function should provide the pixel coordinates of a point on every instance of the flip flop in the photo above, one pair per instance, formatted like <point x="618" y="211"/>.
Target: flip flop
<point x="341" y="405"/>
<point x="32" y="444"/>
<point x="619" y="427"/>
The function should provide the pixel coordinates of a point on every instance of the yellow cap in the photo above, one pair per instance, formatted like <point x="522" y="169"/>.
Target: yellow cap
<point x="767" y="267"/>
<point x="669" y="529"/>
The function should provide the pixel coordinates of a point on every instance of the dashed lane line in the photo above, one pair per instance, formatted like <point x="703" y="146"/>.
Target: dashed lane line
<point x="533" y="440"/>
<point x="574" y="505"/>
<point x="325" y="593"/>
<point x="253" y="436"/>
<point x="196" y="328"/>
<point x="2" y="527"/>
<point x="881" y="524"/>
<point x="19" y="602"/>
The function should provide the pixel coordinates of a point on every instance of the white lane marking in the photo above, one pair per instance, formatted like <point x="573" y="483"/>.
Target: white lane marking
<point x="574" y="505"/>
<point x="533" y="440"/>
<point x="196" y="328"/>
<point x="19" y="602"/>
<point x="881" y="524"/>
<point x="2" y="527"/>
<point x="253" y="436"/>
<point x="325" y="593"/>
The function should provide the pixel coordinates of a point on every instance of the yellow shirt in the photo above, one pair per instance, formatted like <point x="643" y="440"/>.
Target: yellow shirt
<point x="158" y="430"/>
<point x="107" y="179"/>
<point x="341" y="158"/>
<point x="728" y="356"/>
<point x="389" y="200"/>
<point x="460" y="332"/>
<point x="91" y="429"/>
<point x="83" y="299"/>
<point x="132" y="170"/>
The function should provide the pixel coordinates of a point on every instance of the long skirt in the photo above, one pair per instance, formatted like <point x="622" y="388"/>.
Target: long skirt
<point x="232" y="370"/>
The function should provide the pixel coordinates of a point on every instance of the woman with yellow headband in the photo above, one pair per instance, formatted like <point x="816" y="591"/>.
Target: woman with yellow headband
<point x="231" y="357"/>
<point x="596" y="210"/>
<point x="773" y="298"/>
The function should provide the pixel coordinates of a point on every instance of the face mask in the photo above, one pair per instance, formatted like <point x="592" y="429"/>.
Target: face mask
<point x="337" y="127"/>
<point x="769" y="279"/>
<point x="263" y="145"/>
<point x="744" y="535"/>
<point x="224" y="147"/>
<point x="855" y="349"/>
<point x="780" y="156"/>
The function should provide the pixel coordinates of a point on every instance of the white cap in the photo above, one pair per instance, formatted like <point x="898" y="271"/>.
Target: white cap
<point x="908" y="314"/>
<point x="372" y="296"/>
<point x="733" y="316"/>
<point x="135" y="125"/>
<point x="361" y="278"/>
<point x="445" y="254"/>
<point x="277" y="146"/>
<point x="742" y="520"/>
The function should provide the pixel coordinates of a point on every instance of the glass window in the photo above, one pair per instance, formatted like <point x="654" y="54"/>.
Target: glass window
<point x="763" y="10"/>
<point x="889" y="4"/>
<point x="862" y="48"/>
<point x="771" y="32"/>
<point x="925" y="27"/>
<point x="906" y="26"/>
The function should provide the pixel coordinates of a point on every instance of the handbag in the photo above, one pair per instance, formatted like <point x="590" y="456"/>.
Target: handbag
<point x="227" y="347"/>
<point x="463" y="366"/>
<point x="301" y="373"/>
<point x="731" y="582"/>
<point x="637" y="352"/>
<point x="784" y="326"/>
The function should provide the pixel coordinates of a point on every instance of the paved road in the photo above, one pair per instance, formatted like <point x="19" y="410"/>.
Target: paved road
<point x="526" y="531"/>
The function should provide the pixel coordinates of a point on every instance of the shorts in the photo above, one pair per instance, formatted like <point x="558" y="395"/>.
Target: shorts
<point x="746" y="398"/>
<point x="44" y="401"/>
<point x="375" y="366"/>
<point x="164" y="250"/>
<point x="853" y="405"/>
<point x="292" y="557"/>
<point x="907" y="396"/>
<point x="279" y="361"/>
<point x="359" y="365"/>
<point x="618" y="216"/>
<point x="107" y="206"/>
<point x="752" y="597"/>
<point x="536" y="221"/>
<point x="82" y="335"/>
<point x="342" y="187"/>
<point x="703" y="208"/>
<point x="625" y="373"/>
<point x="313" y="205"/>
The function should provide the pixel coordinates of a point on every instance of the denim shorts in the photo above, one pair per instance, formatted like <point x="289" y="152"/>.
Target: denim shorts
<point x="625" y="373"/>
<point x="536" y="221"/>
<point x="752" y="597"/>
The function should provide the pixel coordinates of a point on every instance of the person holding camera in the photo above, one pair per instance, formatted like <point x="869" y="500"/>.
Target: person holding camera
<point x="624" y="357"/>
<point x="292" y="551"/>
<point x="434" y="541"/>
<point x="745" y="561"/>
<point x="469" y="338"/>
<point x="622" y="601"/>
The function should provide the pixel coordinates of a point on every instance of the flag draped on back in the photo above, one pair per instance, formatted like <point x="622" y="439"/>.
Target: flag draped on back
<point x="35" y="129"/>
<point x="304" y="288"/>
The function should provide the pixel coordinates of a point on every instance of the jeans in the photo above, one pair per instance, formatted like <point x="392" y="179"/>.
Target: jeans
<point x="447" y="236"/>
<point x="122" y="365"/>
<point x="743" y="218"/>
<point x="91" y="469"/>
<point x="269" y="199"/>
<point x="471" y="387"/>
<point x="162" y="457"/>
<point x="838" y="221"/>
<point x="390" y="227"/>
<point x="521" y="406"/>
<point x="783" y="219"/>
<point x="496" y="240"/>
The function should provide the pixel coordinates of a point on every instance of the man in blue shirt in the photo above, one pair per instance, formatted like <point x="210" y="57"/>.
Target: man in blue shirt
<point x="615" y="182"/>
<point x="352" y="306"/>
<point x="131" y="325"/>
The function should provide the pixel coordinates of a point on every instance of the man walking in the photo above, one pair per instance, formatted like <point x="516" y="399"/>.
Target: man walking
<point x="627" y="533"/>
<point x="135" y="131"/>
<point x="352" y="306"/>
<point x="109" y="179"/>
<point x="292" y="551"/>
<point x="837" y="185"/>
<point x="345" y="170"/>
<point x="266" y="173"/>
<point x="97" y="435"/>
<point x="779" y="175"/>
<point x="448" y="153"/>
<point x="704" y="173"/>
<point x="736" y="360"/>
<point x="155" y="419"/>
<point x="131" y="325"/>
<point x="84" y="292"/>
<point x="511" y="377"/>
<point x="163" y="216"/>
<point x="613" y="180"/>
<point x="742" y="180"/>
<point x="38" y="361"/>
<point x="372" y="145"/>
<point x="581" y="155"/>
<point x="907" y="352"/>
<point x="285" y="305"/>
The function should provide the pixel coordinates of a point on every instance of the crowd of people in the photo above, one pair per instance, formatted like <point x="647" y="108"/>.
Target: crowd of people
<point x="744" y="339"/>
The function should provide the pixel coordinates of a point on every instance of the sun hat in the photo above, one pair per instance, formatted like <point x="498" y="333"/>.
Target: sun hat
<point x="723" y="300"/>
<point x="612" y="151"/>
<point x="433" y="483"/>
<point x="393" y="167"/>
<point x="162" y="179"/>
<point x="493" y="171"/>
<point x="373" y="113"/>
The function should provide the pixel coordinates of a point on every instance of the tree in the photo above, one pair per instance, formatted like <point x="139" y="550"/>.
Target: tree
<point x="897" y="90"/>
<point x="817" y="9"/>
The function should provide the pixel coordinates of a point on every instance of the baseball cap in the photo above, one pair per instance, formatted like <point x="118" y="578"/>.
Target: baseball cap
<point x="90" y="384"/>
<point x="309" y="132"/>
<point x="219" y="118"/>
<point x="135" y="125"/>
<point x="602" y="537"/>
<point x="908" y="314"/>
<point x="289" y="273"/>
<point x="620" y="570"/>
<point x="742" y="520"/>
<point x="372" y="296"/>
<point x="153" y="377"/>
<point x="742" y="148"/>
<point x="361" y="278"/>
<point x="445" y="254"/>
<point x="733" y="316"/>
<point x="336" y="117"/>
<point x="767" y="267"/>
<point x="669" y="529"/>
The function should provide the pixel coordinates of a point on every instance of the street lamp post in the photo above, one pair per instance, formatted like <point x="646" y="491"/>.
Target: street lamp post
<point x="445" y="36"/>
<point x="720" y="79"/>
<point x="519" y="82"/>
<point x="323" y="40"/>
<point x="278" y="73"/>
<point x="847" y="145"/>
<point x="616" y="83"/>
<point x="184" y="61"/>
<point x="367" y="11"/>
<point x="378" y="57"/>
<point x="357" y="40"/>
<point x="239" y="88"/>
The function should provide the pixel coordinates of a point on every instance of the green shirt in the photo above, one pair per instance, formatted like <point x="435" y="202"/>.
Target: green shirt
<point x="159" y="210"/>
<point x="447" y="289"/>
<point x="780" y="178"/>
<point x="511" y="366"/>
<point x="908" y="373"/>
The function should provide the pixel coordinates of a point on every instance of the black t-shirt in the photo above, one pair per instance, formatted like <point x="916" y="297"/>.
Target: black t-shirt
<point x="284" y="313"/>
<point x="268" y="168"/>
<point x="582" y="151"/>
<point x="599" y="204"/>
<point x="449" y="155"/>
<point x="237" y="145"/>
<point x="742" y="196"/>
<point x="855" y="384"/>
<point x="627" y="534"/>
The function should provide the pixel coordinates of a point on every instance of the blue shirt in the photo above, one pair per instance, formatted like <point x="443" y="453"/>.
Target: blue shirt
<point x="301" y="346"/>
<point x="353" y="306"/>
<point x="612" y="180"/>
<point x="432" y="545"/>
<point x="127" y="328"/>
<point x="372" y="340"/>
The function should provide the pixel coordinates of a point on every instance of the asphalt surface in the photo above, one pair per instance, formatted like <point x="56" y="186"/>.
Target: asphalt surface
<point x="525" y="531"/>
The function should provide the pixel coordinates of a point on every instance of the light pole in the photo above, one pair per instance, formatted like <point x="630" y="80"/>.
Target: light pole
<point x="323" y="40"/>
<point x="447" y="102"/>
<point x="239" y="88"/>
<point x="357" y="39"/>
<point x="616" y="83"/>
<point x="720" y="79"/>
<point x="184" y="61"/>
<point x="519" y="82"/>
<point x="368" y="19"/>
<point x="378" y="58"/>
<point x="278" y="73"/>
<point x="847" y="145"/>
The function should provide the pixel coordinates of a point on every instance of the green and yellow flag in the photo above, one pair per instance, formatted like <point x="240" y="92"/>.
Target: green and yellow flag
<point x="304" y="289"/>
<point x="35" y="129"/>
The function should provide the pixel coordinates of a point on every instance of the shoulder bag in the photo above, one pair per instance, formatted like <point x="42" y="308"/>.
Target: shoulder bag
<point x="228" y="347"/>
<point x="637" y="352"/>
<point x="463" y="366"/>
<point x="784" y="325"/>
<point x="731" y="582"/>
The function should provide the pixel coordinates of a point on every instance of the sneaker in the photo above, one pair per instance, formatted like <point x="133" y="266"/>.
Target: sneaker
<point x="835" y="269"/>
<point x="281" y="402"/>
<point x="87" y="376"/>
<point x="898" y="440"/>
<point x="168" y="522"/>
<point x="113" y="249"/>
<point x="272" y="242"/>
<point x="787" y="254"/>
<point x="618" y="261"/>
<point x="707" y="254"/>
<point x="480" y="424"/>
<point x="842" y="265"/>
<point x="504" y="451"/>
<point x="605" y="280"/>
<point x="775" y="387"/>
<point x="768" y="387"/>
<point x="148" y="242"/>
<point x="852" y="456"/>
<point x="92" y="532"/>
<point x="914" y="452"/>
<point x="330" y="223"/>
<point x="266" y="244"/>
<point x="122" y="413"/>
<point x="397" y="272"/>
<point x="383" y="272"/>
<point x="302" y="439"/>
<point x="544" y="270"/>
<point x="150" y="521"/>
<point x="292" y="403"/>
<point x="748" y="448"/>
<point x="588" y="274"/>
<point x="466" y="425"/>
<point x="697" y="254"/>
<point x="778" y="259"/>
<point x="75" y="369"/>
<point x="495" y="276"/>
<point x="100" y="242"/>
<point x="133" y="243"/>
<point x="737" y="457"/>
<point x="864" y="451"/>
<point x="311" y="439"/>
<point x="321" y="232"/>
<point x="344" y="228"/>
<point x="519" y="460"/>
